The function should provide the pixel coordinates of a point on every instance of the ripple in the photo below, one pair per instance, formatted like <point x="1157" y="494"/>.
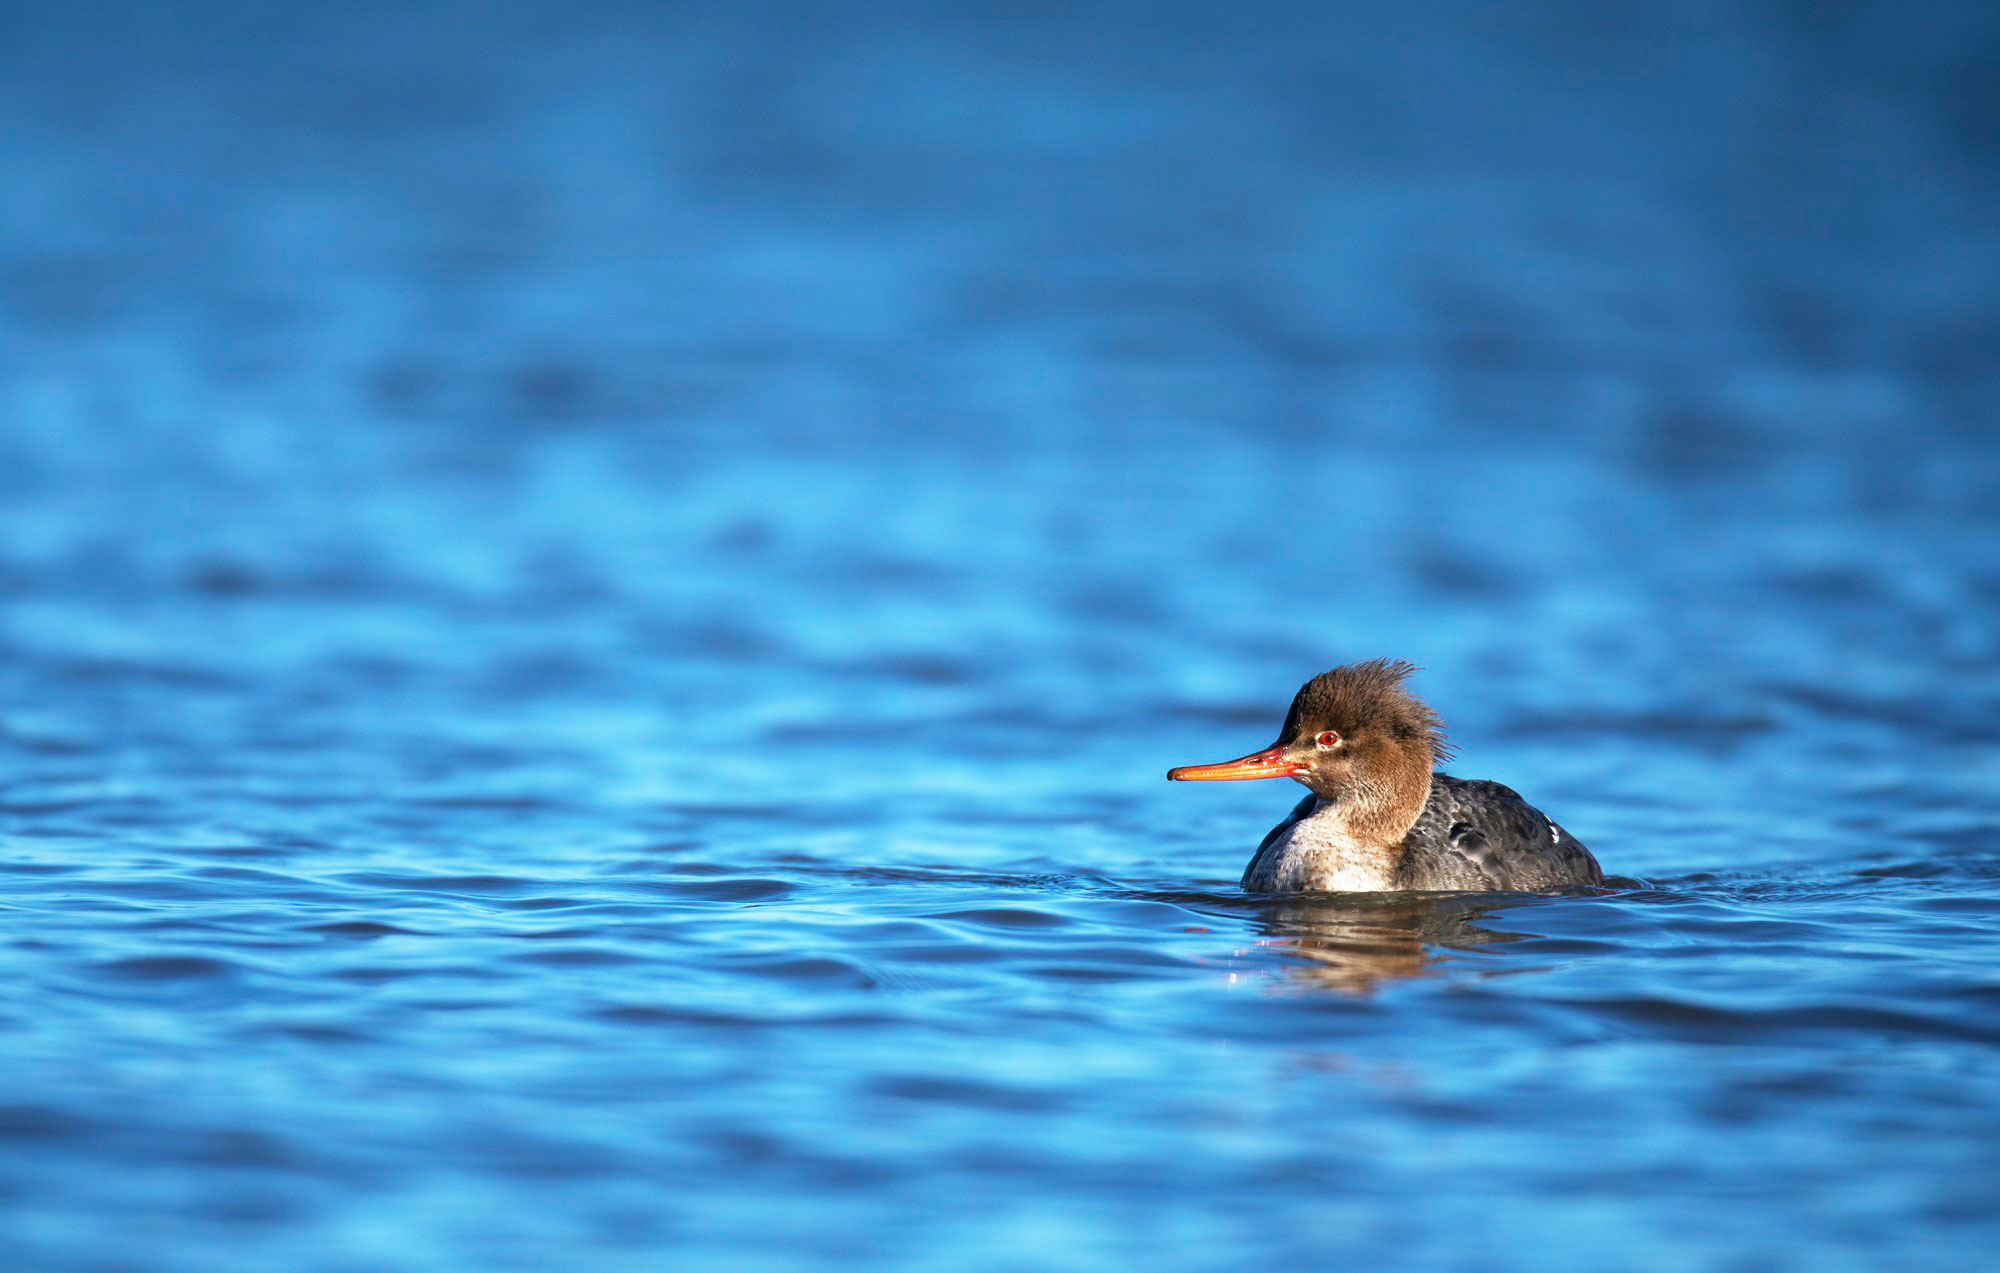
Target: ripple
<point x="579" y="957"/>
<point x="167" y="968"/>
<point x="458" y="885"/>
<point x="489" y="802"/>
<point x="318" y="1032"/>
<point x="743" y="889"/>
<point x="1004" y="917"/>
<point x="360" y="928"/>
<point x="675" y="1017"/>
<point x="1771" y="1025"/>
<point x="954" y="953"/>
<point x="822" y="972"/>
<point x="40" y="1123"/>
<point x="965" y="1092"/>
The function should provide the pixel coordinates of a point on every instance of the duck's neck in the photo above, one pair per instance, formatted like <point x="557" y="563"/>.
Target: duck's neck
<point x="1380" y="812"/>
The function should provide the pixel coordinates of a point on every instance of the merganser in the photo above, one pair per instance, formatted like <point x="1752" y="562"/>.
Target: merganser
<point x="1379" y="819"/>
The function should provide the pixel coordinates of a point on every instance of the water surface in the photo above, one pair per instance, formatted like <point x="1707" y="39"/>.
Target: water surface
<point x="592" y="613"/>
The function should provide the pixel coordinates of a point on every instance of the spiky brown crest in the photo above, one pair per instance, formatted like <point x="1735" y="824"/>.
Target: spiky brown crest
<point x="1367" y="698"/>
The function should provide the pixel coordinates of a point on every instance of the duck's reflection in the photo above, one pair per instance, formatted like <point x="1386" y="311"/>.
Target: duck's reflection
<point x="1354" y="942"/>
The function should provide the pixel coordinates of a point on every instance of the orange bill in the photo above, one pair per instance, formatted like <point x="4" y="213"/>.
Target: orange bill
<point x="1269" y="763"/>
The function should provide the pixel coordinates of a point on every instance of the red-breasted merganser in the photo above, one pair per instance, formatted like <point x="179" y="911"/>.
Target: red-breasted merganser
<point x="1378" y="818"/>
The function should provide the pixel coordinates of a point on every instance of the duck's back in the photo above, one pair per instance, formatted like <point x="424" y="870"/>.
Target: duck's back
<point x="1480" y="835"/>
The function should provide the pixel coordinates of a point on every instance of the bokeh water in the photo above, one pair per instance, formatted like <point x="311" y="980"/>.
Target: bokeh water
<point x="593" y="606"/>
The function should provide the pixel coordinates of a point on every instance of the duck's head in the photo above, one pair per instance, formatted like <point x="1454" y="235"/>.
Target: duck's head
<point x="1355" y="737"/>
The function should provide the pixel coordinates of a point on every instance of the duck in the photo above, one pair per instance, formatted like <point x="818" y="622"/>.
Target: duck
<point x="1380" y="816"/>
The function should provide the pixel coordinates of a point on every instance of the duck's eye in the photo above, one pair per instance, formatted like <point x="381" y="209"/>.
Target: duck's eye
<point x="1328" y="739"/>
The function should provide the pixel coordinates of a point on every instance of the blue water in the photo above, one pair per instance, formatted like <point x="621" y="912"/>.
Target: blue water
<point x="593" y="608"/>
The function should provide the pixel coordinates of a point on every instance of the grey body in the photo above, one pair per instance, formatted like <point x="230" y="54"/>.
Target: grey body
<point x="1472" y="835"/>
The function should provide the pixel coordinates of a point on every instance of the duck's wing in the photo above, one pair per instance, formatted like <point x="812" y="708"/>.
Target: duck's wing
<point x="1482" y="835"/>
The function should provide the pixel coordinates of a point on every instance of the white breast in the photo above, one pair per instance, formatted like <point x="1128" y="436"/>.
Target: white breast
<point x="1316" y="854"/>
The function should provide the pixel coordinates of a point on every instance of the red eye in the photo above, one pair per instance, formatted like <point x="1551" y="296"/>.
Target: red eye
<point x="1328" y="739"/>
